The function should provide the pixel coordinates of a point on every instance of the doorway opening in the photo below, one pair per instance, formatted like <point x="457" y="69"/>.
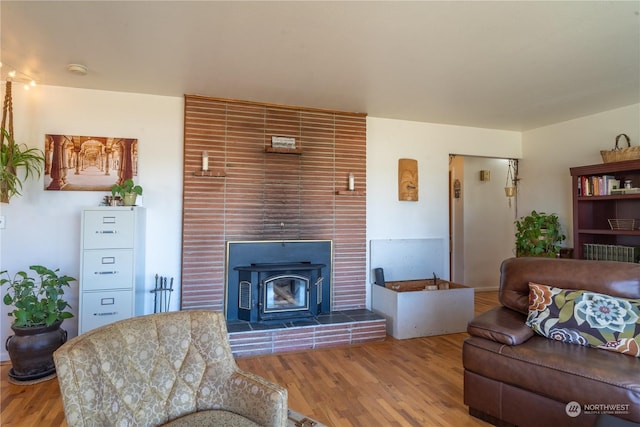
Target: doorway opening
<point x="481" y="218"/>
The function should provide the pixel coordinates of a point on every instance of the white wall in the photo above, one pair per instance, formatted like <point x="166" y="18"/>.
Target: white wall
<point x="488" y="222"/>
<point x="430" y="144"/>
<point x="43" y="227"/>
<point x="550" y="151"/>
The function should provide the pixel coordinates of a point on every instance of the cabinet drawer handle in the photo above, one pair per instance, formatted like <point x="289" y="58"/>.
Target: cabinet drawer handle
<point x="106" y="231"/>
<point x="107" y="313"/>
<point x="105" y="272"/>
<point x="108" y="219"/>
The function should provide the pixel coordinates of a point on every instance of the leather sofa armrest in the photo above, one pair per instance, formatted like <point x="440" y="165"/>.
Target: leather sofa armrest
<point x="502" y="325"/>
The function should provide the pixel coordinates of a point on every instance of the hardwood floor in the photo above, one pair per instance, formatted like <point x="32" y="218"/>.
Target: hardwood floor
<point x="414" y="382"/>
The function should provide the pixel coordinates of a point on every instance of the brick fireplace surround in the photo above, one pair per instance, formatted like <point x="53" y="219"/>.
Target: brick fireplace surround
<point x="252" y="194"/>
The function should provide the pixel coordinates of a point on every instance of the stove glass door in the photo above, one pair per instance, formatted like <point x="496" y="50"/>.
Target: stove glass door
<point x="286" y="293"/>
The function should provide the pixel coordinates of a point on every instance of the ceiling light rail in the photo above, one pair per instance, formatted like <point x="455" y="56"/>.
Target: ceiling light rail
<point x="10" y="73"/>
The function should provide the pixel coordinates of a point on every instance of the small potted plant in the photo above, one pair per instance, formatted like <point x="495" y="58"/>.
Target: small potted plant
<point x="128" y="192"/>
<point x="538" y="234"/>
<point x="39" y="310"/>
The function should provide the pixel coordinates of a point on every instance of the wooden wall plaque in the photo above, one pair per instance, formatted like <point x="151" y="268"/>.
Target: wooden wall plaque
<point x="407" y="180"/>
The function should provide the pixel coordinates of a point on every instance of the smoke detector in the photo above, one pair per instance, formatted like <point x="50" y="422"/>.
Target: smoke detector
<point x="77" y="69"/>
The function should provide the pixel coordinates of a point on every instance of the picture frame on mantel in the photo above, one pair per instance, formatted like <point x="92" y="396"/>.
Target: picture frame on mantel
<point x="88" y="163"/>
<point x="285" y="142"/>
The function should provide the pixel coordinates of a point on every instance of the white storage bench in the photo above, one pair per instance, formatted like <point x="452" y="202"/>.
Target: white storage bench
<point x="421" y="313"/>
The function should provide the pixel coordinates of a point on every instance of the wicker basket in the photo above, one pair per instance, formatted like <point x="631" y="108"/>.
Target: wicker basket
<point x="619" y="154"/>
<point x="622" y="224"/>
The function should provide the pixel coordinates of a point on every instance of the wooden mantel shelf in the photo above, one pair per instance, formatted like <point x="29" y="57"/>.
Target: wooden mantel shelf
<point x="297" y="151"/>
<point x="211" y="174"/>
<point x="349" y="193"/>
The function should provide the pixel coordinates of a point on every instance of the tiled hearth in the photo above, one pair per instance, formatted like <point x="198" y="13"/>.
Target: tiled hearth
<point x="326" y="330"/>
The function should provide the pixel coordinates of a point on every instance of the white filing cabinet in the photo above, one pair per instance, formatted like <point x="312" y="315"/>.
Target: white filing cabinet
<point x="112" y="277"/>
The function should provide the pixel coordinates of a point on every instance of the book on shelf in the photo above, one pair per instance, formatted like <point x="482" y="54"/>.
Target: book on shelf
<point x="597" y="185"/>
<point x="625" y="191"/>
<point x="602" y="252"/>
<point x="613" y="184"/>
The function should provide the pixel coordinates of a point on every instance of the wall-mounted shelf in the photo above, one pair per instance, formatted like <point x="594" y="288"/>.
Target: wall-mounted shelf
<point x="211" y="173"/>
<point x="296" y="151"/>
<point x="349" y="193"/>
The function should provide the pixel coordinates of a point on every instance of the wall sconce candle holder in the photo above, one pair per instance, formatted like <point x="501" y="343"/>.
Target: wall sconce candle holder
<point x="205" y="161"/>
<point x="205" y="171"/>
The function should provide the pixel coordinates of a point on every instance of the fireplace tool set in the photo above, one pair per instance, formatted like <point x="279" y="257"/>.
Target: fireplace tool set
<point x="162" y="294"/>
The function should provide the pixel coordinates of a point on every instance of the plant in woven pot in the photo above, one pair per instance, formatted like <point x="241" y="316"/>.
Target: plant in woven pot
<point x="538" y="234"/>
<point x="128" y="192"/>
<point x="38" y="312"/>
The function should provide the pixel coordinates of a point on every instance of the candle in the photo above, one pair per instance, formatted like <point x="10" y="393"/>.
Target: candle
<point x="352" y="182"/>
<point x="205" y="161"/>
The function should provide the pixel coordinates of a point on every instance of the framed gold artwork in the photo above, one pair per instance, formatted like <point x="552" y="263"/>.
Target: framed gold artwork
<point x="88" y="163"/>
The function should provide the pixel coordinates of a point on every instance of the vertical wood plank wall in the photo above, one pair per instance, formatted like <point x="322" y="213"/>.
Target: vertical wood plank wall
<point x="271" y="196"/>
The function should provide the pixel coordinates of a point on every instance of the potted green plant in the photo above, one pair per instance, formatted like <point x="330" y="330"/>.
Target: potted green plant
<point x="128" y="192"/>
<point x="38" y="312"/>
<point x="538" y="234"/>
<point x="17" y="163"/>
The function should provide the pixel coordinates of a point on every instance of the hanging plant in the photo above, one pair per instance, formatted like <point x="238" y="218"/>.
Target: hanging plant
<point x="510" y="187"/>
<point x="14" y="158"/>
<point x="17" y="161"/>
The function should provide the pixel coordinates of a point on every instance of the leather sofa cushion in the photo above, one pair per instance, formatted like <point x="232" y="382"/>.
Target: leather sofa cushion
<point x="502" y="325"/>
<point x="619" y="279"/>
<point x="559" y="371"/>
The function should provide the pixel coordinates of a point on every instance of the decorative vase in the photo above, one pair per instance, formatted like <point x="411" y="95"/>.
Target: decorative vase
<point x="31" y="350"/>
<point x="130" y="199"/>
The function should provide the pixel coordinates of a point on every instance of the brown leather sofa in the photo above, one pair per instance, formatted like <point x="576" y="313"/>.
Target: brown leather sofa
<point x="513" y="376"/>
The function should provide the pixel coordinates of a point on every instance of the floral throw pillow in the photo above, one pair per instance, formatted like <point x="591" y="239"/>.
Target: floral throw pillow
<point x="585" y="318"/>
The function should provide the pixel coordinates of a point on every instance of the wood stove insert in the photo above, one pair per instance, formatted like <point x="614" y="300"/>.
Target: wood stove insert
<point x="269" y="292"/>
<point x="297" y="274"/>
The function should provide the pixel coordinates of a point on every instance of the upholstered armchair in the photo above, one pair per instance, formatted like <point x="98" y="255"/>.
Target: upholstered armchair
<point x="163" y="369"/>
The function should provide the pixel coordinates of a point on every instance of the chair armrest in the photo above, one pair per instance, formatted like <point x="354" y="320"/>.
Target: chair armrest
<point x="502" y="325"/>
<point x="254" y="397"/>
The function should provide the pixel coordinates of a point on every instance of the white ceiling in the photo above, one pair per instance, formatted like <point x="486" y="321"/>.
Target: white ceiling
<point x="512" y="65"/>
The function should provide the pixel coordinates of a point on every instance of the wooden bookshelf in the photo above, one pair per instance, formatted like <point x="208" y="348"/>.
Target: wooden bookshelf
<point x="592" y="211"/>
